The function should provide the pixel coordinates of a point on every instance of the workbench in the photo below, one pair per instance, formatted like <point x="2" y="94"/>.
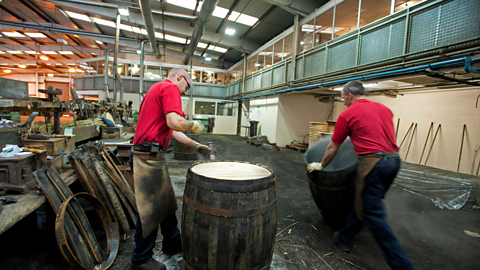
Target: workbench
<point x="27" y="203"/>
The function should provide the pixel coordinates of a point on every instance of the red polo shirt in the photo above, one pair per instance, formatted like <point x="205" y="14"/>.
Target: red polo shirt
<point x="161" y="98"/>
<point x="369" y="125"/>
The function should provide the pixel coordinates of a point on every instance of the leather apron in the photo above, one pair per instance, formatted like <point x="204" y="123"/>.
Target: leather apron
<point x="365" y="166"/>
<point x="153" y="190"/>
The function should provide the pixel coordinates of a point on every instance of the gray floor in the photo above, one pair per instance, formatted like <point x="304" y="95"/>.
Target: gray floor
<point x="432" y="237"/>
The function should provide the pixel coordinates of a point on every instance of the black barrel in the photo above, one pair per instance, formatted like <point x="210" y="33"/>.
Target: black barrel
<point x="333" y="188"/>
<point x="229" y="216"/>
<point x="181" y="152"/>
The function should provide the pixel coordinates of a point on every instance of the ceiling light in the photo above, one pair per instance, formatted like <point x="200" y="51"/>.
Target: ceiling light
<point x="14" y="52"/>
<point x="104" y="22"/>
<point x="175" y="39"/>
<point x="78" y="16"/>
<point x="208" y="58"/>
<point x="158" y="35"/>
<point x="202" y="45"/>
<point x="72" y="70"/>
<point x="36" y="35"/>
<point x="44" y="58"/>
<point x="123" y="10"/>
<point x="98" y="42"/>
<point x="230" y="31"/>
<point x="50" y="75"/>
<point x="7" y="70"/>
<point x="301" y="42"/>
<point x="220" y="49"/>
<point x="75" y="35"/>
<point x="49" y="52"/>
<point x="338" y="88"/>
<point x="65" y="52"/>
<point x="257" y="64"/>
<point x="30" y="52"/>
<point x="13" y="34"/>
<point x="265" y="53"/>
<point x="22" y="66"/>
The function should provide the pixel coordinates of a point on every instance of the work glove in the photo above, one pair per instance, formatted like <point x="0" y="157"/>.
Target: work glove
<point x="314" y="166"/>
<point x="197" y="127"/>
<point x="204" y="150"/>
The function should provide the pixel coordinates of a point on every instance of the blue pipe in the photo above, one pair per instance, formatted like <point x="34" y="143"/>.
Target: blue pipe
<point x="467" y="61"/>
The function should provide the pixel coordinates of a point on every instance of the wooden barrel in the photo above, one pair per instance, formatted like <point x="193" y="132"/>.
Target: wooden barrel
<point x="333" y="188"/>
<point x="181" y="152"/>
<point x="229" y="216"/>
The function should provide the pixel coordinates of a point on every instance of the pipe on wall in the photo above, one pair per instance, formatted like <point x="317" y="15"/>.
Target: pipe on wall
<point x="146" y="9"/>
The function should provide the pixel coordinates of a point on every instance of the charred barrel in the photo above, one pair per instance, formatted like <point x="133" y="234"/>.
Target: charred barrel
<point x="333" y="188"/>
<point x="181" y="152"/>
<point x="229" y="216"/>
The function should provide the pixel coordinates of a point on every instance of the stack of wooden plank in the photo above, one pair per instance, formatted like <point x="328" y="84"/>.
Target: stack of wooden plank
<point x="97" y="169"/>
<point x="318" y="129"/>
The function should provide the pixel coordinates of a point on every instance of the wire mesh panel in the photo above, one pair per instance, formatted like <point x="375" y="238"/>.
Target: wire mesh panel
<point x="299" y="68"/>
<point x="315" y="63"/>
<point x="278" y="75"/>
<point x="99" y="83"/>
<point x="459" y="21"/>
<point x="382" y="43"/>
<point x="267" y="79"/>
<point x="248" y="85"/>
<point x="201" y="90"/>
<point x="422" y="32"/>
<point x="217" y="91"/>
<point x="342" y="55"/>
<point x="257" y="81"/>
<point x="88" y="83"/>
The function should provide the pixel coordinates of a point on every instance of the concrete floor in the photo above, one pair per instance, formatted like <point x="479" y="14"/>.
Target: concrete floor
<point x="432" y="237"/>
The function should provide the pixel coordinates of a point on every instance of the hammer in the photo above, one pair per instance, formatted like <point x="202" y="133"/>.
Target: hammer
<point x="4" y="200"/>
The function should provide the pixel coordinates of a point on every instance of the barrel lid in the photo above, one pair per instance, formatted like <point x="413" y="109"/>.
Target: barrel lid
<point x="227" y="170"/>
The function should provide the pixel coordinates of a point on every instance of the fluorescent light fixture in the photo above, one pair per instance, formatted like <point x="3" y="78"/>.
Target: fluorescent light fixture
<point x="208" y="58"/>
<point x="202" y="45"/>
<point x="7" y="71"/>
<point x="71" y="70"/>
<point x="265" y="53"/>
<point x="50" y="74"/>
<point x="31" y="64"/>
<point x="370" y="84"/>
<point x="36" y="35"/>
<point x="78" y="16"/>
<point x="58" y="64"/>
<point x="123" y="10"/>
<point x="22" y="66"/>
<point x="230" y="31"/>
<point x="65" y="52"/>
<point x="49" y="52"/>
<point x="309" y="27"/>
<point x="12" y="34"/>
<point x="14" y="52"/>
<point x="104" y="22"/>
<point x="98" y="42"/>
<point x="43" y="57"/>
<point x="4" y="52"/>
<point x="65" y="115"/>
<point x="30" y="52"/>
<point x="257" y="64"/>
<point x="220" y="49"/>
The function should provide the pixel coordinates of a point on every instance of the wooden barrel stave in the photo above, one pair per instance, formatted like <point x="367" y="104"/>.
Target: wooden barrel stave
<point x="181" y="152"/>
<point x="216" y="242"/>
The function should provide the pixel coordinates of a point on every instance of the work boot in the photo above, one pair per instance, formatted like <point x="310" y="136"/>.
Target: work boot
<point x="172" y="248"/>
<point x="150" y="265"/>
<point x="342" y="247"/>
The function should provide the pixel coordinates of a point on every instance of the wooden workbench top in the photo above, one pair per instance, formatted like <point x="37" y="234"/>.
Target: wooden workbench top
<point x="27" y="203"/>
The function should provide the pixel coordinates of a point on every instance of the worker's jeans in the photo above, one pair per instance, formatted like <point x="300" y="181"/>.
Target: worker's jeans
<point x="172" y="242"/>
<point x="376" y="185"/>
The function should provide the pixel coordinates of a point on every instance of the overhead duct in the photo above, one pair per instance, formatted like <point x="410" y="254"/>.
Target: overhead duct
<point x="146" y="9"/>
<point x="203" y="18"/>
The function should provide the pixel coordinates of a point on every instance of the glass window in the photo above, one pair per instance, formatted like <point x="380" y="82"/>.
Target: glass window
<point x="323" y="27"/>
<point x="222" y="78"/>
<point x="152" y="73"/>
<point x="346" y="15"/>
<point x="250" y="65"/>
<point x="259" y="63"/>
<point x="121" y="69"/>
<point x="134" y="70"/>
<point x="278" y="53"/>
<point x="196" y="76"/>
<point x="306" y="36"/>
<point x="287" y="47"/>
<point x="268" y="56"/>
<point x="373" y="10"/>
<point x="403" y="4"/>
<point x="204" y="107"/>
<point x="226" y="108"/>
<point x="164" y="73"/>
<point x="208" y="76"/>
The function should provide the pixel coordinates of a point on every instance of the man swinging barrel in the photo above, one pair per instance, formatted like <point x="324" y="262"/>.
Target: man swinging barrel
<point x="160" y="119"/>
<point x="370" y="127"/>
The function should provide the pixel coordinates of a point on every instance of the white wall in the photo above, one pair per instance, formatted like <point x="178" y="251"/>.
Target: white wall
<point x="295" y="112"/>
<point x="225" y="125"/>
<point x="265" y="111"/>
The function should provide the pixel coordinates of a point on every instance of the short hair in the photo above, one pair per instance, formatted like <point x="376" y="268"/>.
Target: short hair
<point x="175" y="71"/>
<point x="354" y="87"/>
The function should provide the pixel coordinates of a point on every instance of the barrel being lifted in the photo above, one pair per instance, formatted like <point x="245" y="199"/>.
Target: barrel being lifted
<point x="333" y="188"/>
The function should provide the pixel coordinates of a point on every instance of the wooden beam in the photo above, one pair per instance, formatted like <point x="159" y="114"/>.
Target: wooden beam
<point x="13" y="14"/>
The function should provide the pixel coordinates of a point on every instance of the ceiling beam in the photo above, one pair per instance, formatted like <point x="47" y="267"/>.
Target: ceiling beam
<point x="13" y="14"/>
<point x="70" y="19"/>
<point x="442" y="76"/>
<point x="232" y="7"/>
<point x="39" y="12"/>
<point x="264" y="15"/>
<point x="302" y="8"/>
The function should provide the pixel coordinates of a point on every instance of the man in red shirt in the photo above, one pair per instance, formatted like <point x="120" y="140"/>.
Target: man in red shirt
<point x="160" y="119"/>
<point x="370" y="127"/>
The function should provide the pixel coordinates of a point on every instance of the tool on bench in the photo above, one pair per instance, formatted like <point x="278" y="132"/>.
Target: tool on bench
<point x="11" y="189"/>
<point x="46" y="137"/>
<point x="4" y="200"/>
<point x="38" y="151"/>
